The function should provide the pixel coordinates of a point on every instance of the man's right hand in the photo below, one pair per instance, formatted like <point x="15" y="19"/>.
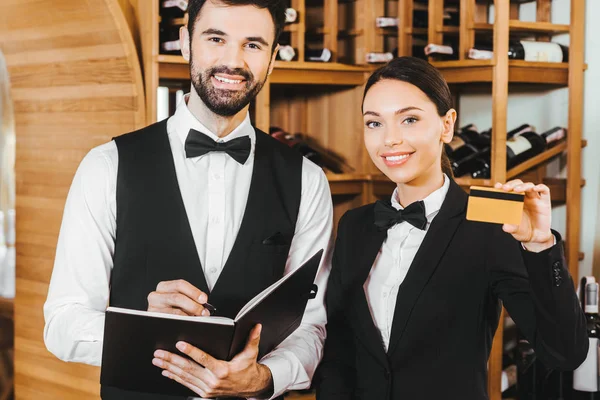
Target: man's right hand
<point x="178" y="297"/>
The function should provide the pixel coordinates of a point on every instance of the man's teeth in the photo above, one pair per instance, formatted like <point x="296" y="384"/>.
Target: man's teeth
<point x="397" y="158"/>
<point x="225" y="80"/>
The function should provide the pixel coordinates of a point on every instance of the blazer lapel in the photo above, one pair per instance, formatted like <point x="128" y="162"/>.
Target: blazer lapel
<point x="367" y="249"/>
<point x="427" y="259"/>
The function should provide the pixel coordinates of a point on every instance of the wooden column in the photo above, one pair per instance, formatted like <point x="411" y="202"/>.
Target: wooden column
<point x="76" y="83"/>
<point x="576" y="65"/>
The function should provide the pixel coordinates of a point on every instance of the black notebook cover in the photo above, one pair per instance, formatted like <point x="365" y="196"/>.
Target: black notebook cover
<point x="130" y="339"/>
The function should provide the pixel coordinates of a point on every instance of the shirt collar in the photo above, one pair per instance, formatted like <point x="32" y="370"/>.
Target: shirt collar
<point x="433" y="202"/>
<point x="183" y="120"/>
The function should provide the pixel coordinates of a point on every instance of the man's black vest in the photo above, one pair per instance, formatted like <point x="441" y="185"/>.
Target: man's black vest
<point x="154" y="241"/>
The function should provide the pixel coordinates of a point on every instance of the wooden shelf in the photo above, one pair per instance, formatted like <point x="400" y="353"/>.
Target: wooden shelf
<point x="466" y="182"/>
<point x="517" y="26"/>
<point x="448" y="29"/>
<point x="482" y="71"/>
<point x="294" y="72"/>
<point x="291" y="28"/>
<point x="346" y="184"/>
<point x="316" y="73"/>
<point x="537" y="160"/>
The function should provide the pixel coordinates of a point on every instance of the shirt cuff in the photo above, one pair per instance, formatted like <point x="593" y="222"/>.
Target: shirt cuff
<point x="280" y="368"/>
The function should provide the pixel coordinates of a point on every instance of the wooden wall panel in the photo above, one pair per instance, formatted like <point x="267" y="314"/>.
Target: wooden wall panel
<point x="76" y="83"/>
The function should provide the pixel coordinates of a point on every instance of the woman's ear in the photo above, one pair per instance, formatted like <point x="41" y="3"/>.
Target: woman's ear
<point x="448" y="122"/>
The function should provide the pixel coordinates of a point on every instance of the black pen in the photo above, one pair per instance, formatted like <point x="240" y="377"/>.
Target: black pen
<point x="210" y="307"/>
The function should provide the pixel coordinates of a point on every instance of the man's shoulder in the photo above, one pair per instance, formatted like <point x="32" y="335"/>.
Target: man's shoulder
<point x="142" y="133"/>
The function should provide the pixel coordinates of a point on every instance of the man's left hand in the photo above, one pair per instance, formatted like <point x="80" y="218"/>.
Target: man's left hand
<point x="243" y="376"/>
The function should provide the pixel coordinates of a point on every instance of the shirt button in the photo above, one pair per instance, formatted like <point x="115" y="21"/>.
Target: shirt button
<point x="385" y="295"/>
<point x="556" y="264"/>
<point x="213" y="270"/>
<point x="216" y="220"/>
<point x="217" y="177"/>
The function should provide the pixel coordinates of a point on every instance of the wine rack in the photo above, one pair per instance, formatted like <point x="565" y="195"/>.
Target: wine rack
<point x="322" y="99"/>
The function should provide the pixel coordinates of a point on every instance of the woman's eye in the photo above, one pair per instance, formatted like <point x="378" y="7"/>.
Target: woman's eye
<point x="254" y="46"/>
<point x="372" y="124"/>
<point x="410" y="120"/>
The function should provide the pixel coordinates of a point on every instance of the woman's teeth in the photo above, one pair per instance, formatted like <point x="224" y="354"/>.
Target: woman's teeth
<point x="225" y="80"/>
<point x="397" y="158"/>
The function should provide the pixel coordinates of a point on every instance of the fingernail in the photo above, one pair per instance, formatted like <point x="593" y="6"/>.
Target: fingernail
<point x="203" y="298"/>
<point x="205" y="312"/>
<point x="166" y="373"/>
<point x="159" y="354"/>
<point x="157" y="362"/>
<point x="180" y="346"/>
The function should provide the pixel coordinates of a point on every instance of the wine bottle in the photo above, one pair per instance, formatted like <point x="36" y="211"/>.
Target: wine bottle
<point x="522" y="144"/>
<point x="466" y="141"/>
<point x="291" y="15"/>
<point x="286" y="53"/>
<point x="322" y="55"/>
<point x="451" y="16"/>
<point x="525" y="360"/>
<point x="440" y="51"/>
<point x="527" y="50"/>
<point x="585" y="377"/>
<point x="173" y="8"/>
<point x="169" y="39"/>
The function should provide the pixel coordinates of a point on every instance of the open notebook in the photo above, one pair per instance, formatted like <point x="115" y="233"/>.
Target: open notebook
<point x="132" y="336"/>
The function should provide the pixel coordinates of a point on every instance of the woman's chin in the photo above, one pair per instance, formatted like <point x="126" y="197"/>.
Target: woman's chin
<point x="397" y="175"/>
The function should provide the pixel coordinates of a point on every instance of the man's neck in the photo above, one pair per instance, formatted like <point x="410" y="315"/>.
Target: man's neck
<point x="217" y="124"/>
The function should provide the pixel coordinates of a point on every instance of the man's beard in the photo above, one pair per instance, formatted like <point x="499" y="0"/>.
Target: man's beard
<point x="225" y="102"/>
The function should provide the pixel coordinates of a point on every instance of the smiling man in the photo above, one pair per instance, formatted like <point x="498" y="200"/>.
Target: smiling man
<point x="199" y="208"/>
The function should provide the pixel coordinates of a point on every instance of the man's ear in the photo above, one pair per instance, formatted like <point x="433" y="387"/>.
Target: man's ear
<point x="273" y="57"/>
<point x="448" y="122"/>
<point x="184" y="41"/>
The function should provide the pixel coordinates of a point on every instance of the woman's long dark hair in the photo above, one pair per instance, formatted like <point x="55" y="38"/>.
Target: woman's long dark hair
<point x="427" y="78"/>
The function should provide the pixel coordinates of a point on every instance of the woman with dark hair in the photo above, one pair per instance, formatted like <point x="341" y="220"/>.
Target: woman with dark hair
<point x="415" y="290"/>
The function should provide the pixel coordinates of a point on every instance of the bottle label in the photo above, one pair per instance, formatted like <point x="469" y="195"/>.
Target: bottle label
<point x="518" y="144"/>
<point x="456" y="143"/>
<point x="323" y="55"/>
<point x="477" y="54"/>
<point x="438" y="49"/>
<point x="379" y="57"/>
<point x="542" y="51"/>
<point x="287" y="53"/>
<point x="290" y="15"/>
<point x="384" y="22"/>
<point x="555" y="136"/>
<point x="171" y="46"/>
<point x="585" y="378"/>
<point x="182" y="4"/>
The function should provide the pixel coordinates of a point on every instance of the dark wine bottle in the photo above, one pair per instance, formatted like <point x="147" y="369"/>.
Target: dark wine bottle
<point x="527" y="50"/>
<point x="173" y="8"/>
<point x="585" y="377"/>
<point x="451" y="16"/>
<point x="169" y="39"/>
<point x="522" y="144"/>
<point x="466" y="141"/>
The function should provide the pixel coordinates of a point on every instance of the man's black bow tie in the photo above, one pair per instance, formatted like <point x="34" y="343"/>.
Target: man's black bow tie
<point x="198" y="144"/>
<point x="387" y="216"/>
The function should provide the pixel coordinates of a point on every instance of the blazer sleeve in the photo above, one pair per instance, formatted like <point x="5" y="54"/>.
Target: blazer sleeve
<point x="538" y="293"/>
<point x="336" y="373"/>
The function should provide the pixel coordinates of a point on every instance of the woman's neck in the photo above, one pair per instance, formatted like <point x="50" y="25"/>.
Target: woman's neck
<point x="420" y="187"/>
<point x="217" y="124"/>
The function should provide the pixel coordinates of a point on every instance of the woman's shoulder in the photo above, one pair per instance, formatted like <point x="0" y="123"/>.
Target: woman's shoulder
<point x="358" y="215"/>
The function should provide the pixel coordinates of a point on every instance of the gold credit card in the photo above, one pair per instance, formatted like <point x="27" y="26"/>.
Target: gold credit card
<point x="495" y="206"/>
